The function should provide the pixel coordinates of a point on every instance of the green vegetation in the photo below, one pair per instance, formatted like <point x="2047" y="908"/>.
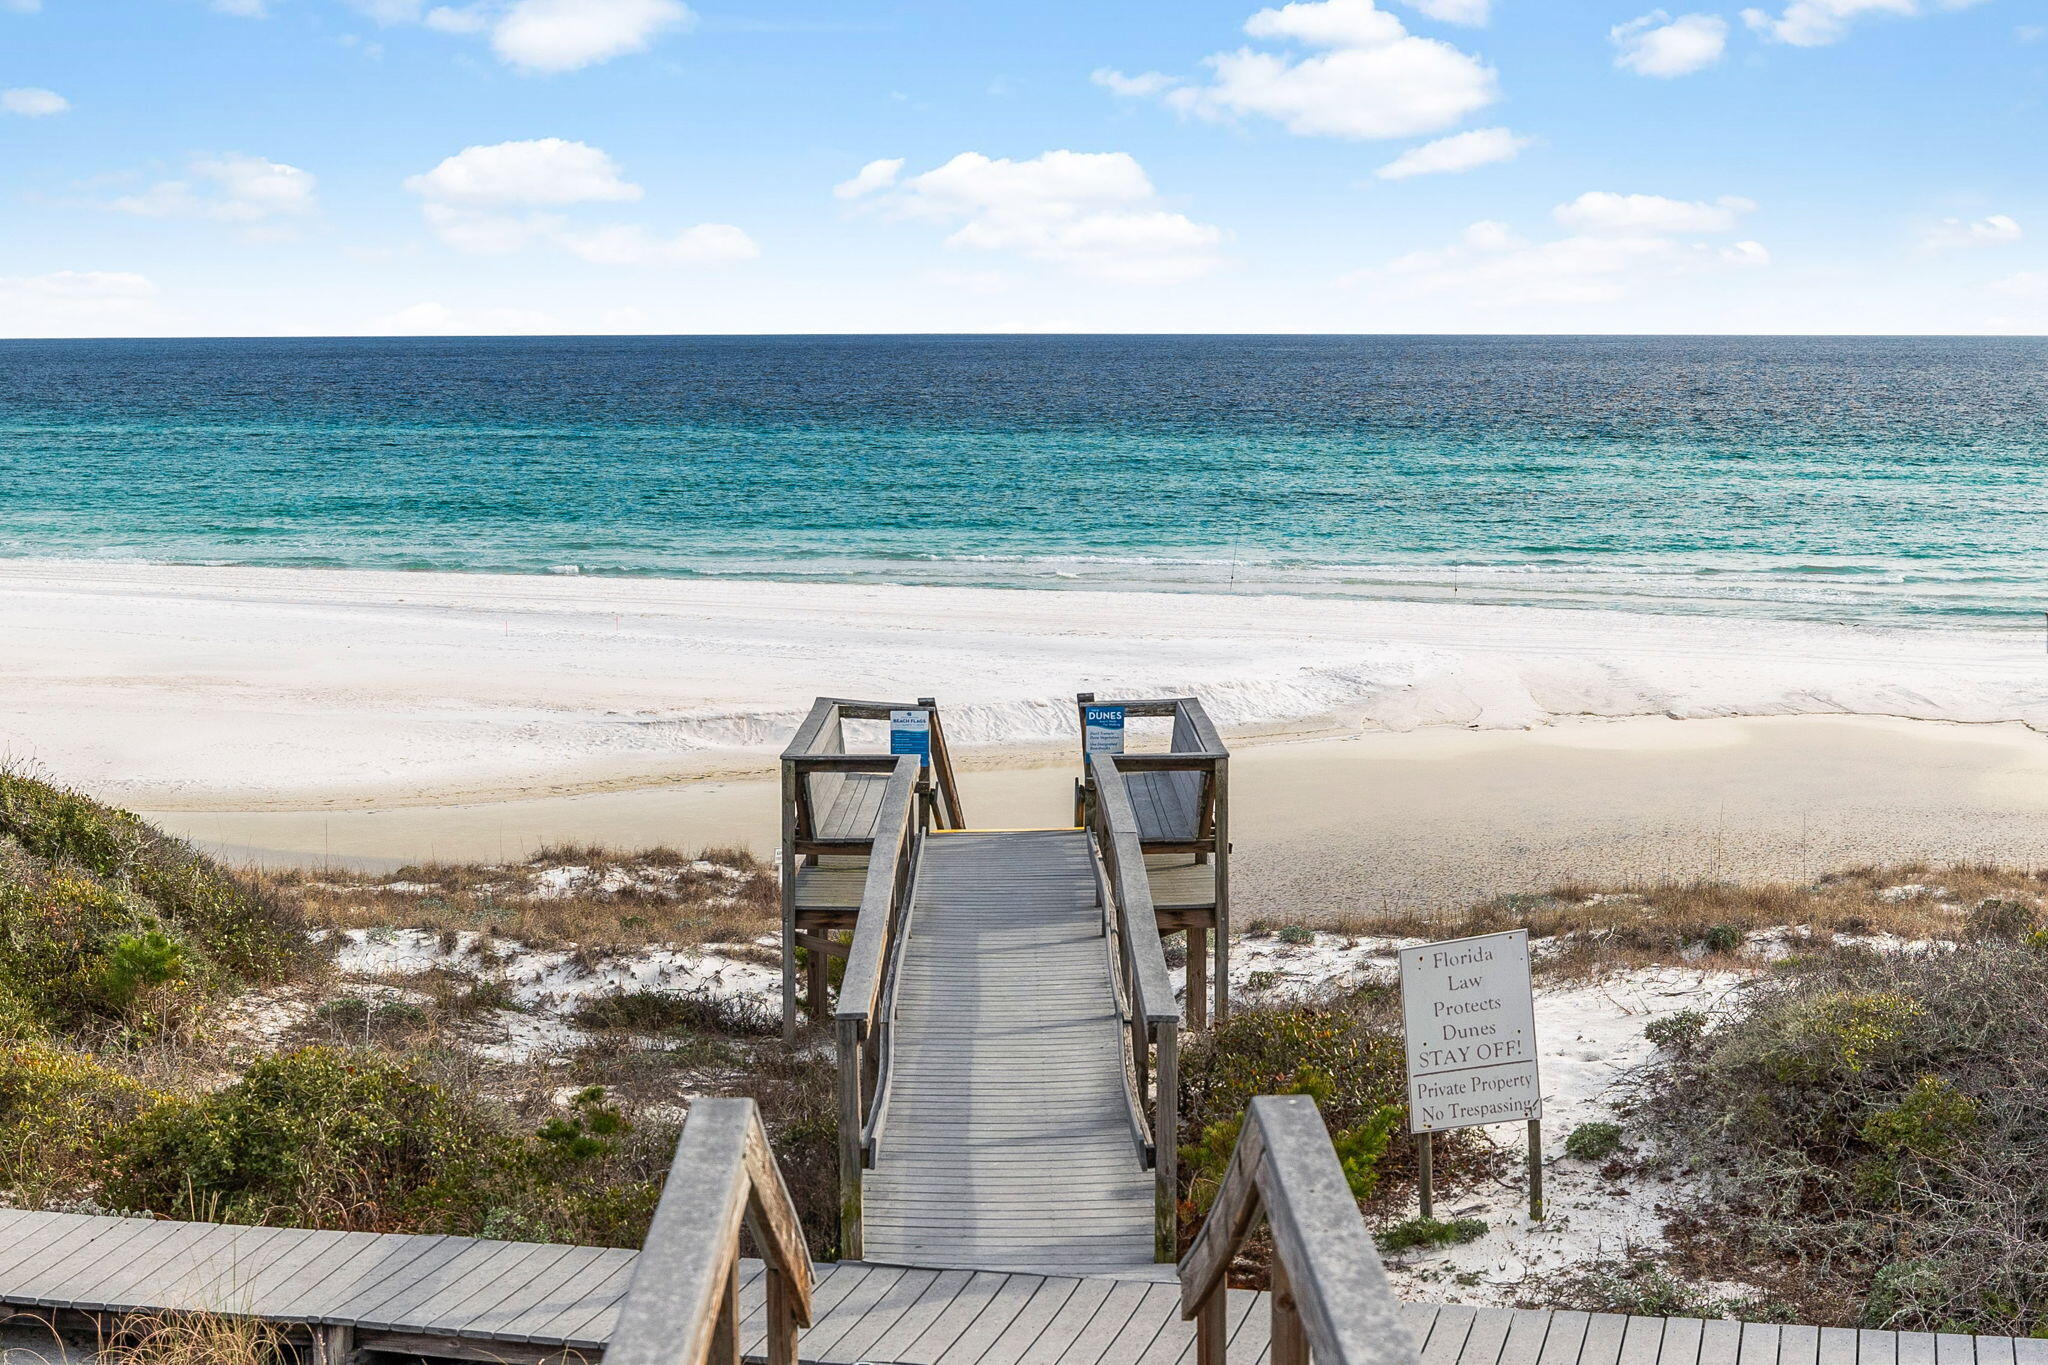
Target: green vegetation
<point x="1348" y="1056"/>
<point x="55" y="1109"/>
<point x="1639" y="1287"/>
<point x="107" y="926"/>
<point x="1431" y="1232"/>
<point x="1593" y="1141"/>
<point x="1882" y="1116"/>
<point x="673" y="1011"/>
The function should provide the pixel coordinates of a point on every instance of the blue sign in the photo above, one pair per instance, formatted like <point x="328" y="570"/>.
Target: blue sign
<point x="1102" y="730"/>
<point x="910" y="732"/>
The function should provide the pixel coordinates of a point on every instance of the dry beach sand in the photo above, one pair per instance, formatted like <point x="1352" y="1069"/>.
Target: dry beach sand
<point x="1385" y="752"/>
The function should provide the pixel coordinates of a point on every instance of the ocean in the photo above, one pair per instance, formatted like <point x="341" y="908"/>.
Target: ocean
<point x="1899" y="481"/>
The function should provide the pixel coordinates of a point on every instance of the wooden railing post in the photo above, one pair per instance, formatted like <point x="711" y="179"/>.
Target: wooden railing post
<point x="1290" y="1343"/>
<point x="725" y="1335"/>
<point x="851" y="1115"/>
<point x="1166" y="1135"/>
<point x="1330" y="1300"/>
<point x="682" y="1304"/>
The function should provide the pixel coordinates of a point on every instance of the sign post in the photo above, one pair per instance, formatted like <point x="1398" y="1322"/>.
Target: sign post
<point x="1470" y="1018"/>
<point x="1102" y="729"/>
<point x="910" y="732"/>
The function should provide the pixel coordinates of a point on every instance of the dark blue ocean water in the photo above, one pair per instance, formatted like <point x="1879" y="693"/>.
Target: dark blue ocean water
<point x="1866" y="479"/>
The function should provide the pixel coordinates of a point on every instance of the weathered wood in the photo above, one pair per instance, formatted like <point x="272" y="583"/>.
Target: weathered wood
<point x="681" y="1307"/>
<point x="1285" y="1168"/>
<point x="913" y="1317"/>
<point x="1004" y="1144"/>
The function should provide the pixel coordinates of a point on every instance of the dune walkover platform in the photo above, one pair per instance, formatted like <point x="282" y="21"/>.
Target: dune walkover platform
<point x="1007" y="1039"/>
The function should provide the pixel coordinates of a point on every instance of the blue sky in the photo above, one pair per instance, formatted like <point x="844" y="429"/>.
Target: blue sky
<point x="259" y="167"/>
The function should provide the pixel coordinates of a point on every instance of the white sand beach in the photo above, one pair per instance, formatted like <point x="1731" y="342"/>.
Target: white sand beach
<point x="389" y="716"/>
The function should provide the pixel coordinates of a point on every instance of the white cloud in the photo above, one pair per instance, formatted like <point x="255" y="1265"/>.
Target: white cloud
<point x="1365" y="76"/>
<point x="1601" y="213"/>
<point x="1814" y="23"/>
<point x="546" y="170"/>
<point x="1623" y="245"/>
<point x="562" y="35"/>
<point x="1997" y="230"/>
<point x="22" y="6"/>
<point x="1473" y="12"/>
<point x="2027" y="284"/>
<point x="1458" y="152"/>
<point x="243" y="9"/>
<point x="876" y="175"/>
<point x="450" y="19"/>
<point x="32" y="101"/>
<point x="1327" y="23"/>
<point x="1093" y="213"/>
<point x="76" y="303"/>
<point x="1658" y="45"/>
<point x="234" y="188"/>
<point x="1141" y="86"/>
<point x="473" y="201"/>
<point x="631" y="244"/>
<point x="545" y="36"/>
<point x="438" y="319"/>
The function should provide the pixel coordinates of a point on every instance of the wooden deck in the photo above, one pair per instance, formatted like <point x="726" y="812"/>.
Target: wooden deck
<point x="456" y="1297"/>
<point x="855" y="804"/>
<point x="455" y="1287"/>
<point x="1008" y="1143"/>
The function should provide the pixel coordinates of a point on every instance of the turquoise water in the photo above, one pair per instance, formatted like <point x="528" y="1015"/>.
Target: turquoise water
<point x="1896" y="480"/>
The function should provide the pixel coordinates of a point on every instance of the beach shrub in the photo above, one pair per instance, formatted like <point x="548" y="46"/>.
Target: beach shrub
<point x="106" y="922"/>
<point x="1881" y="1115"/>
<point x="1638" y="1286"/>
<point x="1677" y="1033"/>
<point x="1593" y="1141"/>
<point x="1296" y="934"/>
<point x="700" y="1011"/>
<point x="55" y="1109"/>
<point x="320" y="1136"/>
<point x="2001" y="917"/>
<point x="1721" y="938"/>
<point x="1430" y="1232"/>
<point x="1347" y="1055"/>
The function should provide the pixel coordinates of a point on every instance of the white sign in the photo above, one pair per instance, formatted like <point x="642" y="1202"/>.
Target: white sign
<point x="1471" y="1025"/>
<point x="1102" y="730"/>
<point x="910" y="732"/>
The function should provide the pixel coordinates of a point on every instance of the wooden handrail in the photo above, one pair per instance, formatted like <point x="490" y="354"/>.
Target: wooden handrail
<point x="862" y="981"/>
<point x="815" y="767"/>
<point x="1154" y="1038"/>
<point x="682" y="1304"/>
<point x="1196" y="749"/>
<point x="862" y="1020"/>
<point x="1152" y="989"/>
<point x="1330" y="1300"/>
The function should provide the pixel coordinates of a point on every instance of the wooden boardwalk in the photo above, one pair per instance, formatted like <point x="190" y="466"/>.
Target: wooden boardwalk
<point x="1008" y="1142"/>
<point x="459" y="1297"/>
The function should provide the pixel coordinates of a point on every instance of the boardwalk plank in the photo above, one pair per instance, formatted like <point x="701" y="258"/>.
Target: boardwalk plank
<point x="1008" y="1144"/>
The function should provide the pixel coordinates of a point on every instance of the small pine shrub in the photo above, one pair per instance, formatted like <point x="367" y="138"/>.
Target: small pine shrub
<point x="679" y="1011"/>
<point x="1677" y="1034"/>
<point x="1722" y="938"/>
<point x="108" y="924"/>
<point x="1593" y="1141"/>
<point x="1431" y="1232"/>
<point x="1296" y="934"/>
